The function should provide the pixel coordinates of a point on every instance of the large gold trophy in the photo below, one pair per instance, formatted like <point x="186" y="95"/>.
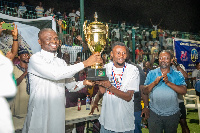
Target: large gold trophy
<point x="96" y="34"/>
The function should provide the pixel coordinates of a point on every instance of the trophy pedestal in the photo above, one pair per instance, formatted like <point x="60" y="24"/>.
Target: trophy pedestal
<point x="97" y="74"/>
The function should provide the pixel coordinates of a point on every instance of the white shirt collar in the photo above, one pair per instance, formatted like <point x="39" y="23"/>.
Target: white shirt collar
<point x="48" y="55"/>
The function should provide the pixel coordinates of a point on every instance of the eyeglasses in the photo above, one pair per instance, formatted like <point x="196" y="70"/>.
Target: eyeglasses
<point x="25" y="55"/>
<point x="164" y="58"/>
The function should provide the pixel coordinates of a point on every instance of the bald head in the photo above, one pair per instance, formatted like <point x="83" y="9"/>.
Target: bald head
<point x="44" y="30"/>
<point x="48" y="39"/>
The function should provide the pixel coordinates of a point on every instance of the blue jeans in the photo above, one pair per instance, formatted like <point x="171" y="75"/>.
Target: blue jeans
<point x="138" y="120"/>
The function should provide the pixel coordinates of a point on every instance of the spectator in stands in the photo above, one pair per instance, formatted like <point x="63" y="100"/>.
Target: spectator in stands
<point x="196" y="76"/>
<point x="169" y="42"/>
<point x="154" y="34"/>
<point x="5" y="9"/>
<point x="161" y="36"/>
<point x="65" y="16"/>
<point x="15" y="12"/>
<point x="123" y="25"/>
<point x="115" y="33"/>
<point x="72" y="16"/>
<point x="155" y="50"/>
<point x="146" y="51"/>
<point x="138" y="52"/>
<point x="78" y="13"/>
<point x="174" y="33"/>
<point x="50" y="12"/>
<point x="66" y="58"/>
<point x="147" y="35"/>
<point x="140" y="62"/>
<point x="39" y="10"/>
<point x="147" y="67"/>
<point x="58" y="15"/>
<point x="154" y="25"/>
<point x="77" y="25"/>
<point x="21" y="10"/>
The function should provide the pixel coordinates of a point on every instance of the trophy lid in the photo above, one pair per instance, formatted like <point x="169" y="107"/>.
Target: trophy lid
<point x="97" y="26"/>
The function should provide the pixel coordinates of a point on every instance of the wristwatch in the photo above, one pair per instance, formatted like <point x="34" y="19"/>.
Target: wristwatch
<point x="146" y="107"/>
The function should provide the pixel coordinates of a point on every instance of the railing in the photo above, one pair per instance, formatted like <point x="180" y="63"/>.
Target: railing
<point x="68" y="25"/>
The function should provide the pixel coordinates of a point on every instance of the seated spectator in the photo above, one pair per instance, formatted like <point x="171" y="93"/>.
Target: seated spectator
<point x="15" y="12"/>
<point x="39" y="10"/>
<point x="5" y="9"/>
<point x="21" y="10"/>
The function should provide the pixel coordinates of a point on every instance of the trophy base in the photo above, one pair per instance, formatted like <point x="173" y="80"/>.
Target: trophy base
<point x="97" y="74"/>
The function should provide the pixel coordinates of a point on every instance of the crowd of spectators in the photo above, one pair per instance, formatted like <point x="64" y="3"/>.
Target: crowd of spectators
<point x="149" y="40"/>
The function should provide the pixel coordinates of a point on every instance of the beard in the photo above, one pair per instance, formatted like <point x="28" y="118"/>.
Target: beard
<point x="120" y="64"/>
<point x="164" y="65"/>
<point x="25" y="61"/>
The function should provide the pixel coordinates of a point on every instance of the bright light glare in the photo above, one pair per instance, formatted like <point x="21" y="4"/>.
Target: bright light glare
<point x="95" y="37"/>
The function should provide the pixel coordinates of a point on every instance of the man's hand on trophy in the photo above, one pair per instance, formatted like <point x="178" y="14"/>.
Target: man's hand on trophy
<point x="93" y="59"/>
<point x="88" y="82"/>
<point x="103" y="85"/>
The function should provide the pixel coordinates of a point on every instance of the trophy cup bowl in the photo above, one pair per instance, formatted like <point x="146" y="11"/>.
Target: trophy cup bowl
<point x="96" y="34"/>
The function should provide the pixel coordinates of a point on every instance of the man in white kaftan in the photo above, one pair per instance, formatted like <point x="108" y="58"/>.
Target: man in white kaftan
<point x="48" y="76"/>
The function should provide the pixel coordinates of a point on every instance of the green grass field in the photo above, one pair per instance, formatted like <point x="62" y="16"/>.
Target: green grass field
<point x="192" y="121"/>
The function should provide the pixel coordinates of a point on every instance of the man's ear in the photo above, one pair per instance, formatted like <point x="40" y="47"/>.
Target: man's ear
<point x="39" y="42"/>
<point x="111" y="54"/>
<point x="172" y="61"/>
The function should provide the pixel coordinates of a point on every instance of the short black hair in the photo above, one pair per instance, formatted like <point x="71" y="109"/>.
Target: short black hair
<point x="167" y="51"/>
<point x="44" y="30"/>
<point x="118" y="43"/>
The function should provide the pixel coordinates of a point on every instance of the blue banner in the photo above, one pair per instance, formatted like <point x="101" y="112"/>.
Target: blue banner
<point x="187" y="53"/>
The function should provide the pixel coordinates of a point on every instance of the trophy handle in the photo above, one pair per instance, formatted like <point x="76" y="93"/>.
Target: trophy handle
<point x="85" y="28"/>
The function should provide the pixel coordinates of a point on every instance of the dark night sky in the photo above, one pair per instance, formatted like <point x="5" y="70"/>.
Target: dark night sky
<point x="182" y="15"/>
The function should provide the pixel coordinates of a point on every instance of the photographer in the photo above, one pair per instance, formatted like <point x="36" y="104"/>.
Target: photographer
<point x="11" y="54"/>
